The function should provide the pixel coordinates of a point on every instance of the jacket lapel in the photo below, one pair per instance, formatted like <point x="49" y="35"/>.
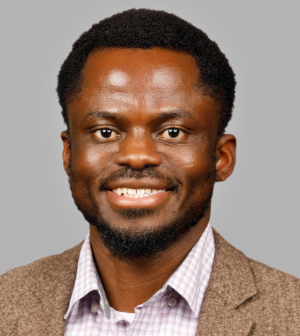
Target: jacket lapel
<point x="52" y="295"/>
<point x="231" y="285"/>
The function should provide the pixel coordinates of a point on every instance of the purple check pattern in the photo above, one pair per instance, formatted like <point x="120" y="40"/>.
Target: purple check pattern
<point x="173" y="310"/>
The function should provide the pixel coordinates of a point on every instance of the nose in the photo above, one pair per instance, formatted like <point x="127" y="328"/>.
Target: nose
<point x="138" y="152"/>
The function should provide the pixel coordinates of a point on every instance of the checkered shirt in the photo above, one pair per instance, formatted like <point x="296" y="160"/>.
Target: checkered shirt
<point x="173" y="310"/>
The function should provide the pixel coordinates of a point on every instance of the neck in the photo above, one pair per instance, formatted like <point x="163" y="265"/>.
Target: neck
<point x="131" y="283"/>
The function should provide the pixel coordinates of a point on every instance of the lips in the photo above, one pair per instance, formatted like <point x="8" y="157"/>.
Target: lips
<point x="127" y="202"/>
<point x="138" y="196"/>
<point x="146" y="192"/>
<point x="137" y="193"/>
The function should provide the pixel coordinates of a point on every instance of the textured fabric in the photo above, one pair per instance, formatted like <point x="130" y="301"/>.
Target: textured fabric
<point x="174" y="310"/>
<point x="243" y="297"/>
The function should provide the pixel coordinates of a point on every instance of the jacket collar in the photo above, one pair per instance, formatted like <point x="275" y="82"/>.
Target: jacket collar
<point x="231" y="284"/>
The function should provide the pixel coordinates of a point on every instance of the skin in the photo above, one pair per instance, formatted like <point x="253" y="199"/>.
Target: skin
<point x="141" y="89"/>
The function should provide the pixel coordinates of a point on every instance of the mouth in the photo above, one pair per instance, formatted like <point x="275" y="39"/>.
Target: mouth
<point x="134" y="193"/>
<point x="137" y="193"/>
<point x="128" y="198"/>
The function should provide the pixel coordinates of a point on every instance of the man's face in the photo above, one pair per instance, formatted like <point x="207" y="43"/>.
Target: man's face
<point x="143" y="141"/>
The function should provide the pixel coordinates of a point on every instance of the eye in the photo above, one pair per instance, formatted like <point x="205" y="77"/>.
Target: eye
<point x="106" y="133"/>
<point x="172" y="133"/>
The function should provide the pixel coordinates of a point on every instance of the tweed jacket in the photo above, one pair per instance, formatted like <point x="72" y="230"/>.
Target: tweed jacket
<point x="244" y="297"/>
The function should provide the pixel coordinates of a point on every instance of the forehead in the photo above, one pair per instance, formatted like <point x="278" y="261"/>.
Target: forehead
<point x="140" y="62"/>
<point x="136" y="70"/>
<point x="150" y="80"/>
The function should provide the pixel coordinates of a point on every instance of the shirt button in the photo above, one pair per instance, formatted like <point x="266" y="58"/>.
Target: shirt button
<point x="172" y="302"/>
<point x="94" y="308"/>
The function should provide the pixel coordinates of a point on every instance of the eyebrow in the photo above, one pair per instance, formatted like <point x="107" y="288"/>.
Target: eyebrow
<point x="105" y="115"/>
<point x="177" y="113"/>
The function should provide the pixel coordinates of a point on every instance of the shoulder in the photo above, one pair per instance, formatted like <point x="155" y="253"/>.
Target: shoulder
<point x="24" y="287"/>
<point x="274" y="283"/>
<point x="46" y="268"/>
<point x="265" y="277"/>
<point x="268" y="297"/>
<point x="276" y="305"/>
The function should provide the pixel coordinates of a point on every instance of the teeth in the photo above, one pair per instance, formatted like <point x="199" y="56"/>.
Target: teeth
<point x="137" y="193"/>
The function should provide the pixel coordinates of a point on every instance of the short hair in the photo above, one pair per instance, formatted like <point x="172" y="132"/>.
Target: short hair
<point x="146" y="29"/>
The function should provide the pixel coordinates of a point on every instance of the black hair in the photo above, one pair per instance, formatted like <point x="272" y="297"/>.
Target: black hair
<point x="146" y="29"/>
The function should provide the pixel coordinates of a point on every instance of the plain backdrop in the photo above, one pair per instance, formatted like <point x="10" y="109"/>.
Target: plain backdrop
<point x="257" y="209"/>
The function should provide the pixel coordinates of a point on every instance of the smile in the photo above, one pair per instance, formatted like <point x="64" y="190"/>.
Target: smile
<point x="137" y="198"/>
<point x="137" y="193"/>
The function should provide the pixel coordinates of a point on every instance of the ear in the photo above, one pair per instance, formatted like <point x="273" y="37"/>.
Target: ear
<point x="226" y="156"/>
<point x="66" y="154"/>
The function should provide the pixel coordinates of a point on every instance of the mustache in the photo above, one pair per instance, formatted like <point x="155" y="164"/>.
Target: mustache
<point x="149" y="172"/>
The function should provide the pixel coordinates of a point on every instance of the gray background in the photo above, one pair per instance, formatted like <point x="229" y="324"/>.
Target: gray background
<point x="257" y="209"/>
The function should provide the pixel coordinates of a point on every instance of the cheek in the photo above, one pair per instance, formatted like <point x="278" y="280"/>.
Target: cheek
<point x="90" y="162"/>
<point x="191" y="163"/>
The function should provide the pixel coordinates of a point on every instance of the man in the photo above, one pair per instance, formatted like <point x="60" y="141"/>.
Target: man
<point x="146" y="98"/>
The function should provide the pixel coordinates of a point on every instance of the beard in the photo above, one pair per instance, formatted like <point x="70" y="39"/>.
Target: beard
<point x="127" y="244"/>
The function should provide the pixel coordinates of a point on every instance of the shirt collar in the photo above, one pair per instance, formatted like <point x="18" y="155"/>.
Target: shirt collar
<point x="87" y="279"/>
<point x="191" y="278"/>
